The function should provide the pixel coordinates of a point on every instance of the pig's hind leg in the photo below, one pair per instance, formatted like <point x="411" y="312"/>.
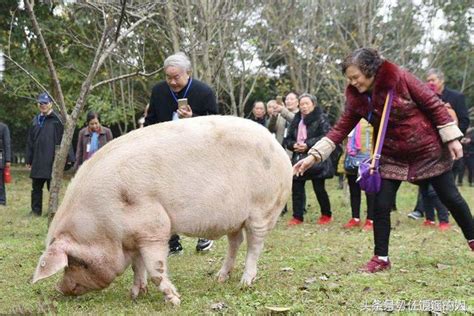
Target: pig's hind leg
<point x="139" y="277"/>
<point x="255" y="235"/>
<point x="153" y="244"/>
<point x="234" y="239"/>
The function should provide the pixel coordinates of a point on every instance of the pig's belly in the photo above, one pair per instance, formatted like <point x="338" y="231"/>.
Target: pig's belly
<point x="210" y="225"/>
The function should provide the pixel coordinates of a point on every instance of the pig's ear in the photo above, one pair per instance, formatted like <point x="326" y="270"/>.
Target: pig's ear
<point x="53" y="260"/>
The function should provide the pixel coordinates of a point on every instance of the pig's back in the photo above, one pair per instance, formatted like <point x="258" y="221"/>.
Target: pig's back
<point x="213" y="170"/>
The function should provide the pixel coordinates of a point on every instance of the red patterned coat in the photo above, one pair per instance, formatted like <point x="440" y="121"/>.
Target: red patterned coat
<point x="413" y="149"/>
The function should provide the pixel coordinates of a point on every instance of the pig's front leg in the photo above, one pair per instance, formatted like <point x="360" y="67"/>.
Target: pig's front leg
<point x="139" y="277"/>
<point x="234" y="239"/>
<point x="153" y="239"/>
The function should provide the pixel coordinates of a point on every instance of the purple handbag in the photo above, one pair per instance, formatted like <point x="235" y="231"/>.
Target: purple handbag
<point x="369" y="178"/>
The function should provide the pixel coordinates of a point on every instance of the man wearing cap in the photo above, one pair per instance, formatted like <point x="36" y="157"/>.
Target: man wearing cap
<point x="5" y="158"/>
<point x="164" y="107"/>
<point x="45" y="133"/>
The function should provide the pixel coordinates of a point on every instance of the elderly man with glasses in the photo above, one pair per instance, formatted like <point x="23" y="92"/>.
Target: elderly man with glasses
<point x="164" y="106"/>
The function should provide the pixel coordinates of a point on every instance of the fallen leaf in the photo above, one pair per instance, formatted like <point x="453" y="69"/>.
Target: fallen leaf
<point x="278" y="309"/>
<point x="422" y="282"/>
<point x="218" y="306"/>
<point x="404" y="270"/>
<point x="310" y="280"/>
<point x="333" y="285"/>
<point x="441" y="266"/>
<point x="323" y="278"/>
<point x="367" y="289"/>
<point x="287" y="269"/>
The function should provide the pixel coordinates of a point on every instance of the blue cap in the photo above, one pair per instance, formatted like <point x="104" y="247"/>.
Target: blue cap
<point x="44" y="98"/>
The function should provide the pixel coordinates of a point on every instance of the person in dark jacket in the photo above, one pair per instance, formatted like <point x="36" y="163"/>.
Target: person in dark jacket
<point x="309" y="125"/>
<point x="421" y="141"/>
<point x="259" y="113"/>
<point x="91" y="138"/>
<point x="457" y="101"/>
<point x="164" y="107"/>
<point x="5" y="159"/>
<point x="45" y="133"/>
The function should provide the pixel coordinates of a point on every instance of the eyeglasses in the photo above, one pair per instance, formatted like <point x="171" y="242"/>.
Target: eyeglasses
<point x="43" y="103"/>
<point x="175" y="78"/>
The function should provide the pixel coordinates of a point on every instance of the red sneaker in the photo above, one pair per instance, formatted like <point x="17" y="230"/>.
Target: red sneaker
<point x="369" y="225"/>
<point x="471" y="244"/>
<point x="324" y="219"/>
<point x="294" y="221"/>
<point x="444" y="226"/>
<point x="429" y="223"/>
<point x="352" y="223"/>
<point x="376" y="265"/>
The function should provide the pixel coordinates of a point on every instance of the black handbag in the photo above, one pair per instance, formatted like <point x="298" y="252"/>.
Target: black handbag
<point x="352" y="163"/>
<point x="322" y="169"/>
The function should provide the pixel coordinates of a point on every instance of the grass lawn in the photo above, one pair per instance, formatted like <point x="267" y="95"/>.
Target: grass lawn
<point x="306" y="269"/>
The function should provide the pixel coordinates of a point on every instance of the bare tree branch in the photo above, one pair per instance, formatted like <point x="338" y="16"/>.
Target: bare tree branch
<point x="51" y="67"/>
<point x="132" y="74"/>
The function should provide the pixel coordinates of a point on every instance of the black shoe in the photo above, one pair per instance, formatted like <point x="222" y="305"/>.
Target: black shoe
<point x="204" y="244"/>
<point x="415" y="215"/>
<point x="176" y="249"/>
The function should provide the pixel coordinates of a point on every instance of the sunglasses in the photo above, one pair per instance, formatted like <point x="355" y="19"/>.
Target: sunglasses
<point x="43" y="103"/>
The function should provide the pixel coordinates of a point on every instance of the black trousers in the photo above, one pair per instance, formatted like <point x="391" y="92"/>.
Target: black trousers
<point x="299" y="197"/>
<point x="448" y="193"/>
<point x="431" y="202"/>
<point x="469" y="164"/>
<point x="458" y="170"/>
<point x="37" y="195"/>
<point x="3" y="195"/>
<point x="355" y="192"/>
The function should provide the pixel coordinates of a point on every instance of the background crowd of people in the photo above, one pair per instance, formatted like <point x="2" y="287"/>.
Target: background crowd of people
<point x="422" y="142"/>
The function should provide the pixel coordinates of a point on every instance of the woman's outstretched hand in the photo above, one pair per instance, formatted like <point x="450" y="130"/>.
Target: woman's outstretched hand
<point x="304" y="164"/>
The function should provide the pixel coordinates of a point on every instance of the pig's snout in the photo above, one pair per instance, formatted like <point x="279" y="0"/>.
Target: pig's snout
<point x="69" y="288"/>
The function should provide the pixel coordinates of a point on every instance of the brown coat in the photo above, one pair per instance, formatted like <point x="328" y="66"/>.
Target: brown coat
<point x="84" y="140"/>
<point x="413" y="149"/>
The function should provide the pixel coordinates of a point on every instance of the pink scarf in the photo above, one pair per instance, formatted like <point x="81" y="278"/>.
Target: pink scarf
<point x="302" y="132"/>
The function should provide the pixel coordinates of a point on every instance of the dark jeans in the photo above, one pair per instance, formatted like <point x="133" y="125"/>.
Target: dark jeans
<point x="3" y="195"/>
<point x="37" y="195"/>
<point x="299" y="197"/>
<point x="355" y="192"/>
<point x="448" y="193"/>
<point x="431" y="202"/>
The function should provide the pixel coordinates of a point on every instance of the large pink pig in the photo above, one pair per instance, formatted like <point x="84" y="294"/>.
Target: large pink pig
<point x="203" y="177"/>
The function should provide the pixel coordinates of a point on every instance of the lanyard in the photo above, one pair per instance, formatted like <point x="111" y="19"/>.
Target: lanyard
<point x="40" y="120"/>
<point x="185" y="92"/>
<point x="371" y="108"/>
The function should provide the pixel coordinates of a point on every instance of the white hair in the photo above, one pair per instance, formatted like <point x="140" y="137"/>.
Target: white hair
<point x="178" y="60"/>
<point x="437" y="72"/>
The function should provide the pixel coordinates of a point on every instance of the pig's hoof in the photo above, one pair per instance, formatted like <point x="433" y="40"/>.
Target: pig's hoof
<point x="137" y="290"/>
<point x="222" y="277"/>
<point x="247" y="280"/>
<point x="174" y="300"/>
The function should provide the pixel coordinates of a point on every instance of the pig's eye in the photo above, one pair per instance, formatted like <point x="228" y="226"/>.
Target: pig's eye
<point x="77" y="262"/>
